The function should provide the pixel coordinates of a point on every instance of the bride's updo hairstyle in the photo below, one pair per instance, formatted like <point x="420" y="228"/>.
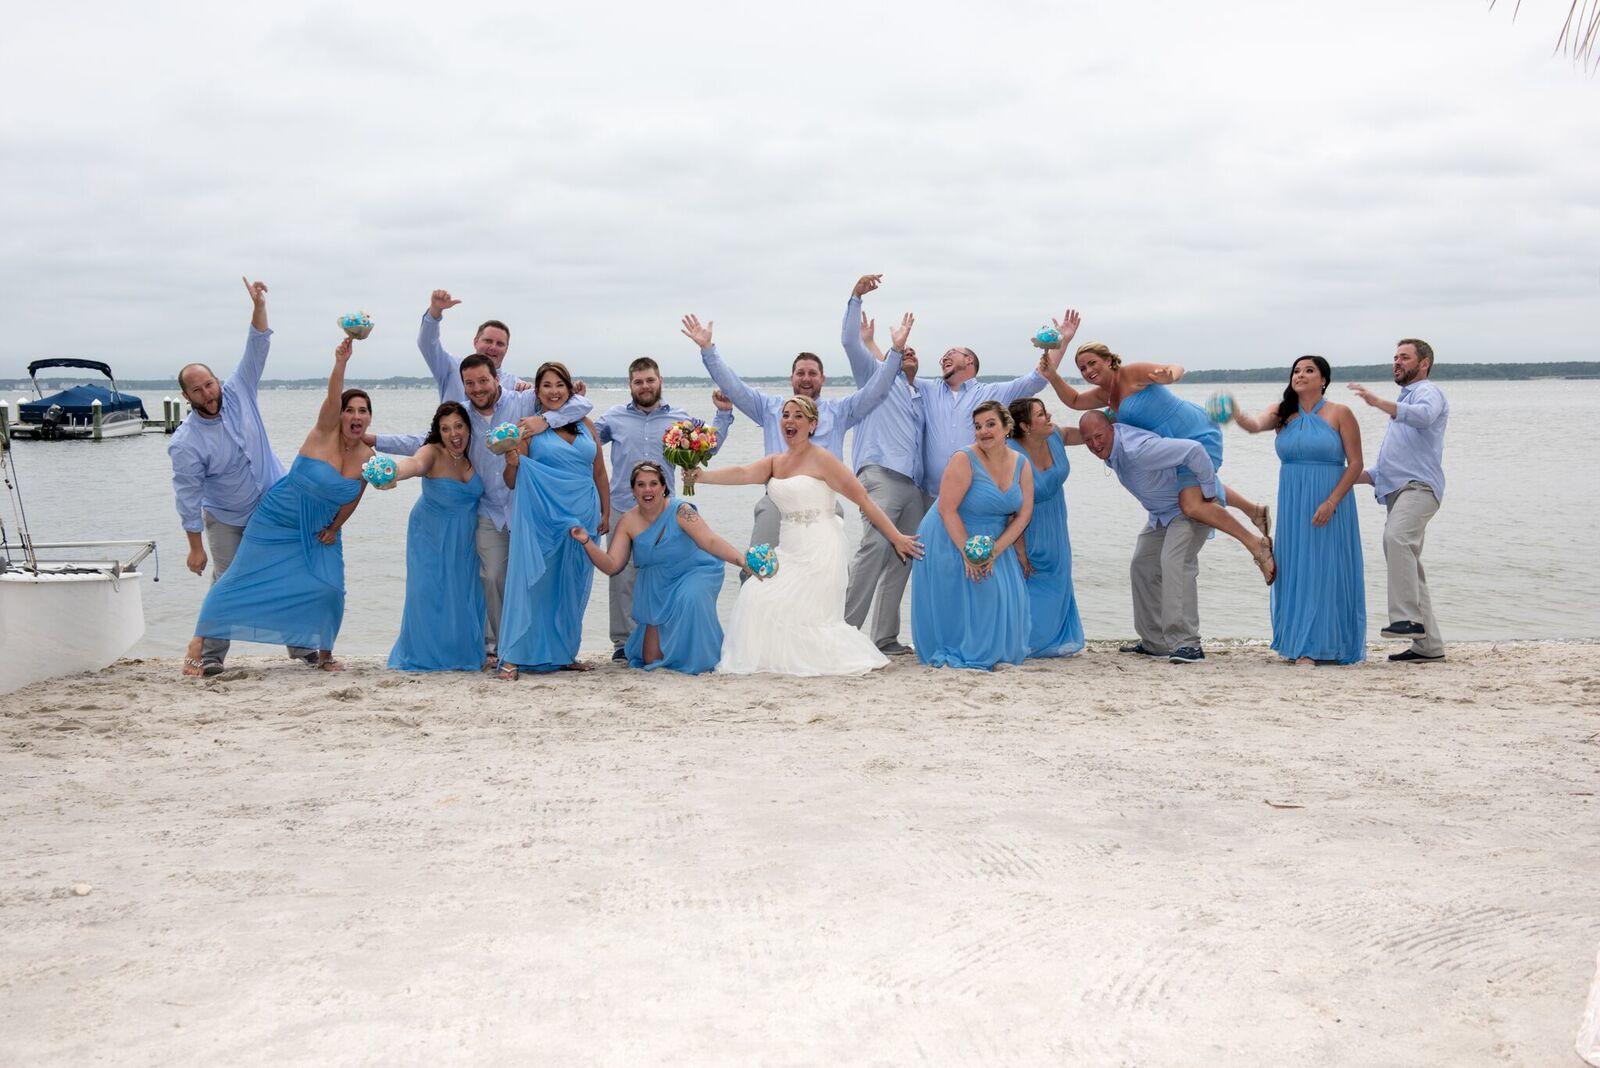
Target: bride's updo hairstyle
<point x="1006" y="422"/>
<point x="808" y="408"/>
<point x="650" y="465"/>
<point x="1096" y="348"/>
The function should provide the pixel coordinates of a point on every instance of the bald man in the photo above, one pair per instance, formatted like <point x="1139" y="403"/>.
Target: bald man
<point x="1166" y="558"/>
<point x="222" y="463"/>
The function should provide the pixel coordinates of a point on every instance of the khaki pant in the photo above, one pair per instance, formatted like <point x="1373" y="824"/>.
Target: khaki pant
<point x="877" y="574"/>
<point x="222" y="541"/>
<point x="1410" y="508"/>
<point x="1166" y="585"/>
<point x="494" y="549"/>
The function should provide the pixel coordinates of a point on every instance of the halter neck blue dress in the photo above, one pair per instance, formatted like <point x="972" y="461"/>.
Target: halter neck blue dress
<point x="956" y="622"/>
<point x="1319" y="606"/>
<point x="1055" y="629"/>
<point x="442" y="626"/>
<point x="284" y="586"/>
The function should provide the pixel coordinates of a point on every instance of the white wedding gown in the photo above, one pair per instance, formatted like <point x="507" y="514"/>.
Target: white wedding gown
<point x="793" y="623"/>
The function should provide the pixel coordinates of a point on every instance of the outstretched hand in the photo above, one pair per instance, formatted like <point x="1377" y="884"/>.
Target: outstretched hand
<point x="869" y="329"/>
<point x="902" y="332"/>
<point x="1067" y="327"/>
<point x="439" y="301"/>
<point x="866" y="284"/>
<point x="257" y="291"/>
<point x="1364" y="393"/>
<point x="1163" y="375"/>
<point x="700" y="335"/>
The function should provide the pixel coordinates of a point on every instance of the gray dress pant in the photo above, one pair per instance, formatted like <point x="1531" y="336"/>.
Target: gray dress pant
<point x="1410" y="508"/>
<point x="494" y="548"/>
<point x="222" y="541"/>
<point x="877" y="574"/>
<point x="621" y="592"/>
<point x="1166" y="591"/>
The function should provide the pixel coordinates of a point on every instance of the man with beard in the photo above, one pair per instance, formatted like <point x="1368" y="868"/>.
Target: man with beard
<point x="1408" y="479"/>
<point x="835" y="415"/>
<point x="222" y="463"/>
<point x="634" y="432"/>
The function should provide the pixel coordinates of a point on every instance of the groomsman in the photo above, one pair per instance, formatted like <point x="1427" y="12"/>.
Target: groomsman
<point x="493" y="339"/>
<point x="887" y="458"/>
<point x="222" y="463"/>
<point x="806" y="379"/>
<point x="1408" y="479"/>
<point x="1166" y="557"/>
<point x="634" y="432"/>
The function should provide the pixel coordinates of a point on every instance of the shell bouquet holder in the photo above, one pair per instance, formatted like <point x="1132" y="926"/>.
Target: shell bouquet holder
<point x="356" y="325"/>
<point x="503" y="438"/>
<point x="762" y="560"/>
<point x="379" y="471"/>
<point x="979" y="549"/>
<point x="688" y="444"/>
<point x="1047" y="338"/>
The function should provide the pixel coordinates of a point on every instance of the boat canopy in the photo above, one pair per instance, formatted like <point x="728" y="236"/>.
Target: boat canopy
<point x="77" y="402"/>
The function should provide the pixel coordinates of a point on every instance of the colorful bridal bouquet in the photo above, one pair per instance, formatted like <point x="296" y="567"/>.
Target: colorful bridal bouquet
<point x="762" y="560"/>
<point x="379" y="471"/>
<point x="688" y="444"/>
<point x="357" y="325"/>
<point x="1220" y="408"/>
<point x="979" y="549"/>
<point x="503" y="438"/>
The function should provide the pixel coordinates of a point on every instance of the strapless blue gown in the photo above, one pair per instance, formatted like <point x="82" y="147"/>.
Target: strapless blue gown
<point x="675" y="591"/>
<point x="1319" y="606"/>
<point x="956" y="622"/>
<point x="284" y="586"/>
<point x="1055" y="629"/>
<point x="548" y="575"/>
<point x="1159" y="410"/>
<point x="442" y="628"/>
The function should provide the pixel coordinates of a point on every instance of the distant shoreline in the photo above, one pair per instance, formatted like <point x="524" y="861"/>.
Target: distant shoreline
<point x="1446" y="372"/>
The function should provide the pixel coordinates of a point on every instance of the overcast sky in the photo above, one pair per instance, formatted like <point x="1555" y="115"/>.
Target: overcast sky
<point x="1223" y="184"/>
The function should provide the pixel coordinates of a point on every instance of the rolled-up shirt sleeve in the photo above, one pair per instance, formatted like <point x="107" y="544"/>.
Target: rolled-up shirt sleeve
<point x="188" y="480"/>
<point x="400" y="444"/>
<point x="722" y="422"/>
<point x="1422" y="409"/>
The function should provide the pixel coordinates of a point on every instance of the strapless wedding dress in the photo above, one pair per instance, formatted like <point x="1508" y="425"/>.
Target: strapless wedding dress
<point x="793" y="623"/>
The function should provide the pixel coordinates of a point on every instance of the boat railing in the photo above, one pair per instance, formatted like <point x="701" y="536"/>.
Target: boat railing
<point x="115" y="565"/>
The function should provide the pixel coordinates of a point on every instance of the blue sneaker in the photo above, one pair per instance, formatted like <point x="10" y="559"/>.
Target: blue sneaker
<point x="1404" y="628"/>
<point x="1189" y="654"/>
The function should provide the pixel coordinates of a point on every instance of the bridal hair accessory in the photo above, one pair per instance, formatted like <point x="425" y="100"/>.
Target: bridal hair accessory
<point x="688" y="444"/>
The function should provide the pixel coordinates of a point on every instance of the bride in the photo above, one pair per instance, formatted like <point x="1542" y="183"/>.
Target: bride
<point x="793" y="623"/>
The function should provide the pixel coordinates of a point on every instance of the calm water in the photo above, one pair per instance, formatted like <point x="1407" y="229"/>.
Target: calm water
<point x="1509" y="555"/>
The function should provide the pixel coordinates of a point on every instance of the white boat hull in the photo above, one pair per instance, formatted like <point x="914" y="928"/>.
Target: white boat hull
<point x="54" y="624"/>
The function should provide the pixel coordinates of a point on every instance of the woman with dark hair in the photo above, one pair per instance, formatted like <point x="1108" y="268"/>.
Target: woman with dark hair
<point x="1319" y="608"/>
<point x="286" y="585"/>
<point x="964" y="612"/>
<point x="1137" y="394"/>
<point x="548" y="578"/>
<point x="442" y="627"/>
<point x="1044" y="549"/>
<point x="679" y="560"/>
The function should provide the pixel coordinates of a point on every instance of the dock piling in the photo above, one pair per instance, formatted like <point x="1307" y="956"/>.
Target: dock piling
<point x="95" y="415"/>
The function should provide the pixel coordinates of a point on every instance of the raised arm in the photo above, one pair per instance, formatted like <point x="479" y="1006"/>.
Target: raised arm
<point x="1422" y="409"/>
<point x="1140" y="374"/>
<point x="752" y="402"/>
<point x="445" y="372"/>
<point x="328" y="414"/>
<point x="858" y="405"/>
<point x="614" y="557"/>
<point x="247" y="375"/>
<point x="845" y="483"/>
<point x="1344" y="421"/>
<point x="855" y="334"/>
<point x="701" y="534"/>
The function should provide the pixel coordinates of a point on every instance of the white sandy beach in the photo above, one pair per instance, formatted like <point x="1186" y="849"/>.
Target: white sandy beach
<point x="1102" y="861"/>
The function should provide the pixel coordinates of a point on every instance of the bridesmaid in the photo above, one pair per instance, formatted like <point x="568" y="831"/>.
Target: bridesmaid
<point x="1137" y="394"/>
<point x="559" y="476"/>
<point x="679" y="561"/>
<point x="286" y="585"/>
<point x="442" y="628"/>
<point x="1045" y="548"/>
<point x="965" y="614"/>
<point x="1319" y="608"/>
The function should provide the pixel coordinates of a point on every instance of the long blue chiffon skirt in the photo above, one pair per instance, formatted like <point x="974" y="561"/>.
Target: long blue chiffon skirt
<point x="1319" y="606"/>
<point x="548" y="575"/>
<point x="675" y="590"/>
<point x="284" y="586"/>
<point x="442" y="626"/>
<point x="1054" y="628"/>
<point x="956" y="622"/>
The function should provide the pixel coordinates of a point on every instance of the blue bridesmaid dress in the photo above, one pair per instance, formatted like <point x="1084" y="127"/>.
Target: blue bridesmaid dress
<point x="1319" y="606"/>
<point x="442" y="628"/>
<point x="1159" y="410"/>
<point x="956" y="622"/>
<point x="1055" y="629"/>
<point x="284" y="586"/>
<point x="675" y="591"/>
<point x="548" y="575"/>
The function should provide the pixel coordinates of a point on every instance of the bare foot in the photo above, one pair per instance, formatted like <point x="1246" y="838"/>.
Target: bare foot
<point x="506" y="672"/>
<point x="577" y="665"/>
<point x="191" y="658"/>
<point x="1305" y="661"/>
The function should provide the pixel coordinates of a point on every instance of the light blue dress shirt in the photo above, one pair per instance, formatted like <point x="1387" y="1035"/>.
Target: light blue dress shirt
<point x="835" y="415"/>
<point x="634" y="434"/>
<point x="1413" y="443"/>
<point x="490" y="466"/>
<point x="891" y="434"/>
<point x="1147" y="466"/>
<point x="224" y="465"/>
<point x="445" y="367"/>
<point x="947" y="418"/>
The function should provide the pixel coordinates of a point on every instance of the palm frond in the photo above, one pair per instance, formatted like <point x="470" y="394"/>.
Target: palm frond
<point x="1580" y="33"/>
